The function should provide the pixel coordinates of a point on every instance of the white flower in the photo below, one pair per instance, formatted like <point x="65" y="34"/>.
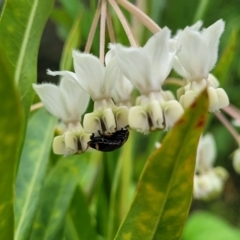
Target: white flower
<point x="208" y="180"/>
<point x="98" y="81"/>
<point x="67" y="102"/>
<point x="196" y="56"/>
<point x="147" y="68"/>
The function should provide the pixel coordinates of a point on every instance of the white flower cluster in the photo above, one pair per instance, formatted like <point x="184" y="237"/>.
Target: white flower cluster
<point x="192" y="53"/>
<point x="208" y="180"/>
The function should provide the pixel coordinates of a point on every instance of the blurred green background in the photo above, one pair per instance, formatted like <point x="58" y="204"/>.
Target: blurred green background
<point x="175" y="14"/>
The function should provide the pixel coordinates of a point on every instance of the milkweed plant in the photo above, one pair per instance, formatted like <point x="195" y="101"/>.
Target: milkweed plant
<point x="123" y="146"/>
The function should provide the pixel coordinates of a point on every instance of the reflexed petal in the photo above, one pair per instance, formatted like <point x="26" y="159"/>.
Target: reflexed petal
<point x="52" y="99"/>
<point x="76" y="99"/>
<point x="122" y="90"/>
<point x="172" y="111"/>
<point x="177" y="66"/>
<point x="112" y="74"/>
<point x="212" y="36"/>
<point x="161" y="59"/>
<point x="135" y="65"/>
<point x="138" y="119"/>
<point x="193" y="54"/>
<point x="109" y="55"/>
<point x="66" y="74"/>
<point x="90" y="73"/>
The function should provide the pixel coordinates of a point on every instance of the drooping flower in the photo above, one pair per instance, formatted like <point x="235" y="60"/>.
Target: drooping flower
<point x="196" y="55"/>
<point x="67" y="102"/>
<point x="208" y="180"/>
<point x="98" y="81"/>
<point x="147" y="68"/>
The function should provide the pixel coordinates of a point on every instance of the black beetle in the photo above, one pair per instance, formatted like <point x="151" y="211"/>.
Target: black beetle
<point x="108" y="143"/>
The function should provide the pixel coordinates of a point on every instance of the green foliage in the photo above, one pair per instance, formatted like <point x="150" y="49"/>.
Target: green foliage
<point x="164" y="191"/>
<point x="204" y="225"/>
<point x="21" y="27"/>
<point x="32" y="170"/>
<point x="10" y="133"/>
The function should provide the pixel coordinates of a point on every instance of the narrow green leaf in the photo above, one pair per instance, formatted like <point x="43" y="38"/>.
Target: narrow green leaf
<point x="226" y="60"/>
<point x="204" y="225"/>
<point x="78" y="222"/>
<point x="72" y="42"/>
<point x="121" y="189"/>
<point x="21" y="27"/>
<point x="10" y="133"/>
<point x="56" y="197"/>
<point x="32" y="169"/>
<point x="164" y="192"/>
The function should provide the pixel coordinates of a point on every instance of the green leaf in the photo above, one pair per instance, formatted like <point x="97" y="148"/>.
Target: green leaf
<point x="78" y="222"/>
<point x="72" y="42"/>
<point x="226" y="60"/>
<point x="56" y="197"/>
<point x="21" y="27"/>
<point x="164" y="192"/>
<point x="10" y="133"/>
<point x="32" y="169"/>
<point x="204" y="225"/>
<point x="121" y="196"/>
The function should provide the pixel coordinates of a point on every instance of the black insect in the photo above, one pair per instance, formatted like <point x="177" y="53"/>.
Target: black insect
<point x="108" y="143"/>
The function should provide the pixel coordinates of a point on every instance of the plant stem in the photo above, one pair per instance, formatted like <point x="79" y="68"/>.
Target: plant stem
<point x="103" y="29"/>
<point x="232" y="111"/>
<point x="110" y="26"/>
<point x="124" y="23"/>
<point x="143" y="18"/>
<point x="36" y="106"/>
<point x="229" y="127"/>
<point x="92" y="30"/>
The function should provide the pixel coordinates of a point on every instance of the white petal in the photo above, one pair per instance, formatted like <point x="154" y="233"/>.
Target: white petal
<point x="122" y="90"/>
<point x="70" y="140"/>
<point x="121" y="116"/>
<point x="59" y="145"/>
<point x="197" y="25"/>
<point x="66" y="74"/>
<point x="172" y="112"/>
<point x="193" y="54"/>
<point x="138" y="119"/>
<point x="213" y="99"/>
<point x="75" y="98"/>
<point x="213" y="81"/>
<point x="52" y="99"/>
<point x="223" y="100"/>
<point x="92" y="123"/>
<point x="156" y="115"/>
<point x="161" y="59"/>
<point x="177" y="66"/>
<point x="212" y="36"/>
<point x="188" y="98"/>
<point x="109" y="120"/>
<point x="135" y="65"/>
<point x="90" y="73"/>
<point x="206" y="153"/>
<point x="109" y="55"/>
<point x="112" y="74"/>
